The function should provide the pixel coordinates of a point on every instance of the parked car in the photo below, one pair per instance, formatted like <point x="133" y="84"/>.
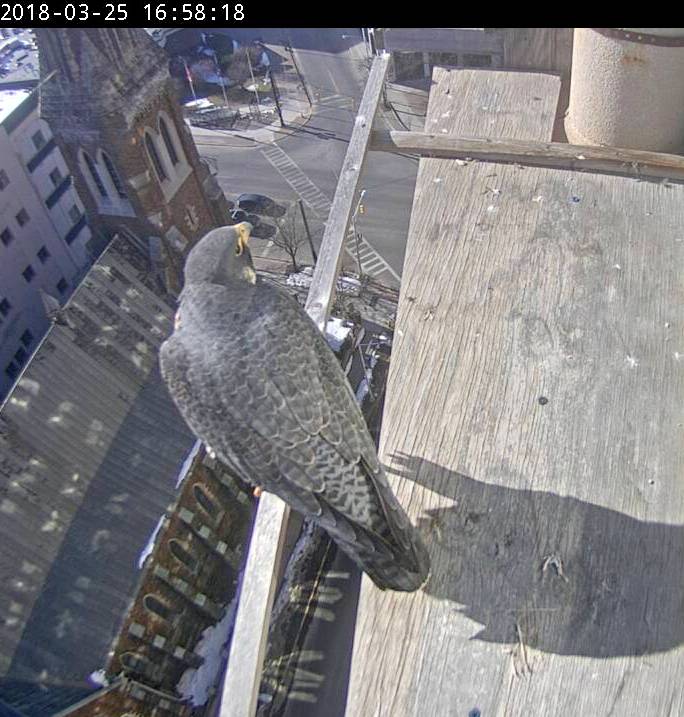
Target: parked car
<point x="240" y="215"/>
<point x="264" y="231"/>
<point x="259" y="203"/>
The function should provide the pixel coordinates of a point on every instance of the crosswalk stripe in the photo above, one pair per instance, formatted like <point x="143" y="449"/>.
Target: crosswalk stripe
<point x="371" y="262"/>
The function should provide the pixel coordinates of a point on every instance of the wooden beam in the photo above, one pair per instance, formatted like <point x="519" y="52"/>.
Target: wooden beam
<point x="245" y="663"/>
<point x="630" y="162"/>
<point x="327" y="267"/>
<point x="248" y="645"/>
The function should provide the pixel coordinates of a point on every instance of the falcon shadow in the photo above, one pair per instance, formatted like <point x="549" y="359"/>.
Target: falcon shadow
<point x="566" y="576"/>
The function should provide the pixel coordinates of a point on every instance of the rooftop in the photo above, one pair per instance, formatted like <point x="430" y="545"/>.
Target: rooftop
<point x="10" y="100"/>
<point x="90" y="446"/>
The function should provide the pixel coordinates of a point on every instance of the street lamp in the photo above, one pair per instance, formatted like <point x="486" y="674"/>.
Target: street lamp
<point x="251" y="72"/>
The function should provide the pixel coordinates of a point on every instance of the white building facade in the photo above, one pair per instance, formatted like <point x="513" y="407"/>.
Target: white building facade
<point x="43" y="231"/>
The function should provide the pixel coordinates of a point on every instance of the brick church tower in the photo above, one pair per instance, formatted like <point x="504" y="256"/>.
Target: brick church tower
<point x="110" y="101"/>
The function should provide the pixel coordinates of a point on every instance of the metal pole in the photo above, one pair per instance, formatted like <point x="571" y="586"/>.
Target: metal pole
<point x="276" y="96"/>
<point x="366" y="41"/>
<point x="220" y="76"/>
<point x="299" y="74"/>
<point x="308" y="233"/>
<point x="365" y="372"/>
<point x="251" y="72"/>
<point x="189" y="77"/>
<point x="358" y="251"/>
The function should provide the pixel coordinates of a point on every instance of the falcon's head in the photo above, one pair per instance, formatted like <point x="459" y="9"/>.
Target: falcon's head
<point x="222" y="257"/>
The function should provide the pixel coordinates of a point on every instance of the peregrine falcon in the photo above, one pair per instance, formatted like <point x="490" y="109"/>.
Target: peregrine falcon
<point x="255" y="380"/>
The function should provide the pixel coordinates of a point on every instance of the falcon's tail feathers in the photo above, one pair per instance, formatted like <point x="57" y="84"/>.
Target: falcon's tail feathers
<point x="395" y="560"/>
<point x="388" y="574"/>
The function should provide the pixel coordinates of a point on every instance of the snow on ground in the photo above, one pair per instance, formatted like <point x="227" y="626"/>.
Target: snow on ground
<point x="362" y="390"/>
<point x="336" y="331"/>
<point x="197" y="684"/>
<point x="345" y="284"/>
<point x="185" y="468"/>
<point x="364" y="387"/>
<point x="99" y="678"/>
<point x="149" y="547"/>
<point x="201" y="104"/>
<point x="301" y="278"/>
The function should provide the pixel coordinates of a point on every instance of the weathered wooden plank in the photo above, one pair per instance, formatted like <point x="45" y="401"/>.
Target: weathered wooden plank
<point x="248" y="646"/>
<point x="629" y="162"/>
<point x="328" y="264"/>
<point x="538" y="48"/>
<point x="476" y="103"/>
<point x="533" y="426"/>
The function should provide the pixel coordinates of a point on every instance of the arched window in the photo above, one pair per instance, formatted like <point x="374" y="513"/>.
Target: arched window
<point x="205" y="501"/>
<point x="114" y="176"/>
<point x="182" y="554"/>
<point x="133" y="661"/>
<point x="157" y="606"/>
<point x="155" y="158"/>
<point x="95" y="175"/>
<point x="170" y="148"/>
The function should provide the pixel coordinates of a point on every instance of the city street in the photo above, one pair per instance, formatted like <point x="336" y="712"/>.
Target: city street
<point x="305" y="164"/>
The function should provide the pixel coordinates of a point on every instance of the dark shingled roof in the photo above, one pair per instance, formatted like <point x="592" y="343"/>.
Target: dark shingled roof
<point x="90" y="446"/>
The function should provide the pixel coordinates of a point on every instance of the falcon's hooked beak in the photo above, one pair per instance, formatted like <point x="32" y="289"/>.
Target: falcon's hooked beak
<point x="243" y="230"/>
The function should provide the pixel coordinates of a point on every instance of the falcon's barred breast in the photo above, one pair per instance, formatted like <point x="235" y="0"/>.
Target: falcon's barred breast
<point x="255" y="380"/>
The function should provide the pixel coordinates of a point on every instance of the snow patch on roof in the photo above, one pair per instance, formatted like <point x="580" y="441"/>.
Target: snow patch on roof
<point x="185" y="468"/>
<point x="10" y="100"/>
<point x="197" y="684"/>
<point x="149" y="546"/>
<point x="336" y="331"/>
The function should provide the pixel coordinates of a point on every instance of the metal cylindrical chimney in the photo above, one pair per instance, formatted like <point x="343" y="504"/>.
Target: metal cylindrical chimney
<point x="627" y="88"/>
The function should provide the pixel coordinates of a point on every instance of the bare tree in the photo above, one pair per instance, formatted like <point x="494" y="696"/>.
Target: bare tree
<point x="236" y="65"/>
<point x="291" y="234"/>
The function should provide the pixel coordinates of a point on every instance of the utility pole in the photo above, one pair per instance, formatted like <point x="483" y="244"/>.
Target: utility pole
<point x="299" y="74"/>
<point x="308" y="233"/>
<point x="276" y="96"/>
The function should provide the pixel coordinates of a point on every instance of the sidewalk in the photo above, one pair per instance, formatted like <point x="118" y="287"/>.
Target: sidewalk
<point x="295" y="108"/>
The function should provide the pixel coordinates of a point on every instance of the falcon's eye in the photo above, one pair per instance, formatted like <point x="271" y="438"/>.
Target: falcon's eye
<point x="238" y="248"/>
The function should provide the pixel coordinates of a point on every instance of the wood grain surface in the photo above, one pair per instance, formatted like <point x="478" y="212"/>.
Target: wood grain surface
<point x="533" y="428"/>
